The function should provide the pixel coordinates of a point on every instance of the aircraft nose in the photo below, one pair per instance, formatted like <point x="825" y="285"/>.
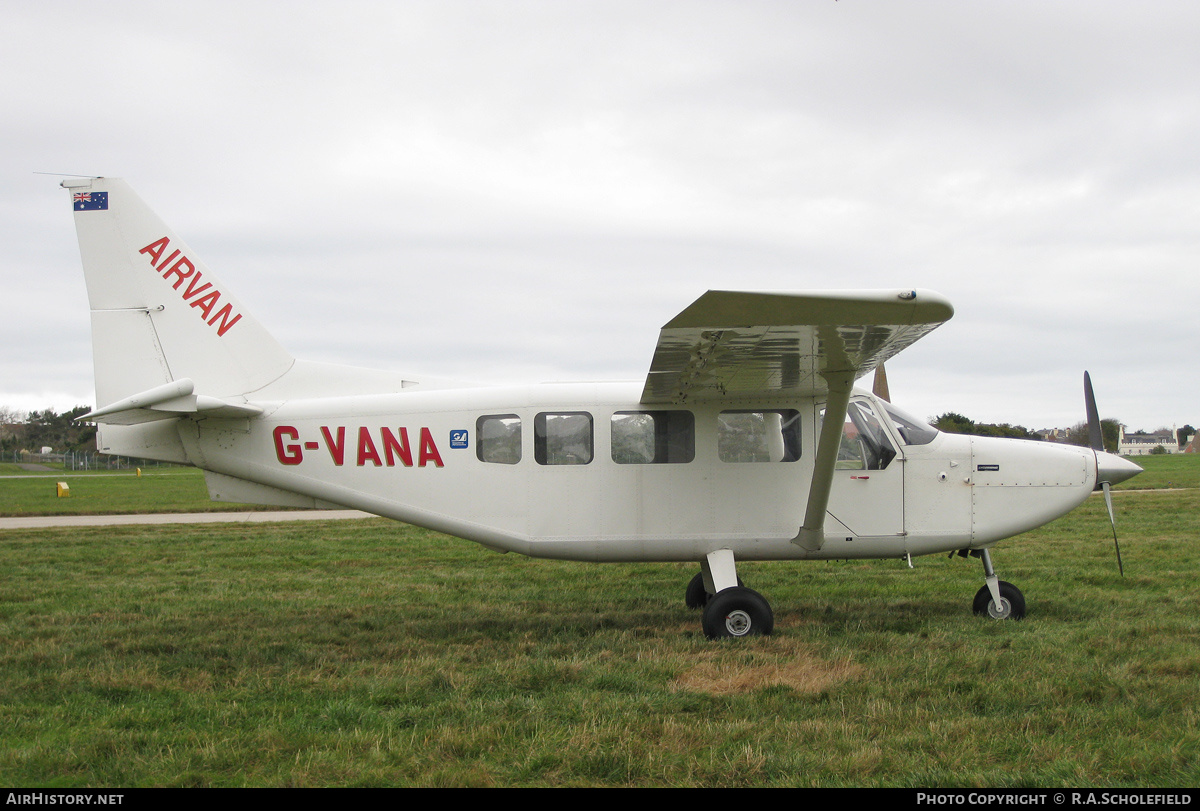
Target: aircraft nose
<point x="1113" y="469"/>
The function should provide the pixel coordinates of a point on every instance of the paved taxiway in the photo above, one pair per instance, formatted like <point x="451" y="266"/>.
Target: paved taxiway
<point x="40" y="521"/>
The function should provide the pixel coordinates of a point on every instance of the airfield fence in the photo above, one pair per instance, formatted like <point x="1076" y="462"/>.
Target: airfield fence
<point x="86" y="460"/>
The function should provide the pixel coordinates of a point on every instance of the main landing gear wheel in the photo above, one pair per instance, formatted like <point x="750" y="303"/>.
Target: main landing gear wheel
<point x="737" y="612"/>
<point x="697" y="596"/>
<point x="1012" y="603"/>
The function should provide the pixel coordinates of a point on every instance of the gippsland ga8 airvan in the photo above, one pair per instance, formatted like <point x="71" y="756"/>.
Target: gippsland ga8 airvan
<point x="746" y="441"/>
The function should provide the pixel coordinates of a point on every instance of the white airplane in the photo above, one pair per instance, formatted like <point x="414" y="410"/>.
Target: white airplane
<point x="746" y="441"/>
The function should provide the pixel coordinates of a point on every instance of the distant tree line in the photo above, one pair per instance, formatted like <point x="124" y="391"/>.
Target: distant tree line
<point x="1110" y="430"/>
<point x="46" y="429"/>
<point x="954" y="423"/>
<point x="1077" y="435"/>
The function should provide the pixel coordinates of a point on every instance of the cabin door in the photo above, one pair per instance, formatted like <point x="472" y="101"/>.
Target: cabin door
<point x="868" y="482"/>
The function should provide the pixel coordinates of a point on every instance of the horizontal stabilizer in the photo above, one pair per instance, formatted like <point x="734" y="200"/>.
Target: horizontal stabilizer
<point x="145" y="399"/>
<point x="168" y="401"/>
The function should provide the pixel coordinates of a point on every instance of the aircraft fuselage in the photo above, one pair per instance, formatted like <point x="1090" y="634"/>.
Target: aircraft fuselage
<point x="584" y="471"/>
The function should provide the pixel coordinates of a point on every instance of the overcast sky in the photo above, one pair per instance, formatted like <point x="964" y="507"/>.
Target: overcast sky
<point x="506" y="191"/>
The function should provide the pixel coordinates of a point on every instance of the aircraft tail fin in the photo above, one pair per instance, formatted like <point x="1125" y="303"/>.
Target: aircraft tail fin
<point x="159" y="315"/>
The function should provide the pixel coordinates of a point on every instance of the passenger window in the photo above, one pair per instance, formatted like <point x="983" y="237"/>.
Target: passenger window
<point x="758" y="436"/>
<point x="562" y="439"/>
<point x="653" y="437"/>
<point x="498" y="438"/>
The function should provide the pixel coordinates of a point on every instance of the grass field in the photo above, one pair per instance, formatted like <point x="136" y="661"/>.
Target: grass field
<point x="157" y="490"/>
<point x="1165" y="471"/>
<point x="372" y="653"/>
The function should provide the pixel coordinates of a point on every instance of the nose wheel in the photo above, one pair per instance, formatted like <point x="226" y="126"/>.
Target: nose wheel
<point x="999" y="599"/>
<point x="1010" y="607"/>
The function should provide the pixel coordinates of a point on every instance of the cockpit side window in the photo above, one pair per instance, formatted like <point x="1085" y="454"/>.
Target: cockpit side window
<point x="865" y="442"/>
<point x="912" y="430"/>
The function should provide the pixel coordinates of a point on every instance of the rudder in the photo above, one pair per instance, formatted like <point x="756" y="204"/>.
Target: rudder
<point x="158" y="314"/>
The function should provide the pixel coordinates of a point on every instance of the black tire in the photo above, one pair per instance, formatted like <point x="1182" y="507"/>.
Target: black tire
<point x="737" y="612"/>
<point x="1012" y="603"/>
<point x="696" y="596"/>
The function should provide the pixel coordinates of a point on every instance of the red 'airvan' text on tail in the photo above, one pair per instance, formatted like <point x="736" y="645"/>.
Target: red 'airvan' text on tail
<point x="177" y="265"/>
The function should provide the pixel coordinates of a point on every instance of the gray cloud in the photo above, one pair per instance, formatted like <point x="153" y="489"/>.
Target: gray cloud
<point x="532" y="189"/>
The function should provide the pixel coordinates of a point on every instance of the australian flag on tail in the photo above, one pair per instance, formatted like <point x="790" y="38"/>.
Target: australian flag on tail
<point x="91" y="201"/>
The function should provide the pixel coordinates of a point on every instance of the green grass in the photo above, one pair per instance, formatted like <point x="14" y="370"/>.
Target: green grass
<point x="157" y="490"/>
<point x="1164" y="471"/>
<point x="372" y="653"/>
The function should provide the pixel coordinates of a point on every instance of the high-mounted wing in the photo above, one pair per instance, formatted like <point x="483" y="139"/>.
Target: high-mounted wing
<point x="740" y="343"/>
<point x="803" y="344"/>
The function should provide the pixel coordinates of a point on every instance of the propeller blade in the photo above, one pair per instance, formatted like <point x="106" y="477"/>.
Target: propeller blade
<point x="880" y="385"/>
<point x="1107" y="467"/>
<point x="1095" y="435"/>
<point x="1112" y="520"/>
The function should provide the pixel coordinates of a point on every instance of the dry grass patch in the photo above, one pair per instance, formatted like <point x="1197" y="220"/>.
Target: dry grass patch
<point x="728" y="670"/>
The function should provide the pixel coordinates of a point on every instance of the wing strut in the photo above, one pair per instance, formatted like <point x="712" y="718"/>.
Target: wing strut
<point x="812" y="532"/>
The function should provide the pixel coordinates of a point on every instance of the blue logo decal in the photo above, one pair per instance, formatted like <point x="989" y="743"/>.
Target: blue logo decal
<point x="458" y="439"/>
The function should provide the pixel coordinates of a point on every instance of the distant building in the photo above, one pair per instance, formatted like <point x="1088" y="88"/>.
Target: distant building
<point x="1053" y="434"/>
<point x="1141" y="444"/>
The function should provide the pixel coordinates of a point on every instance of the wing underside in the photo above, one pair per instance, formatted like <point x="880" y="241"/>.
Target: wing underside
<point x="730" y="343"/>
